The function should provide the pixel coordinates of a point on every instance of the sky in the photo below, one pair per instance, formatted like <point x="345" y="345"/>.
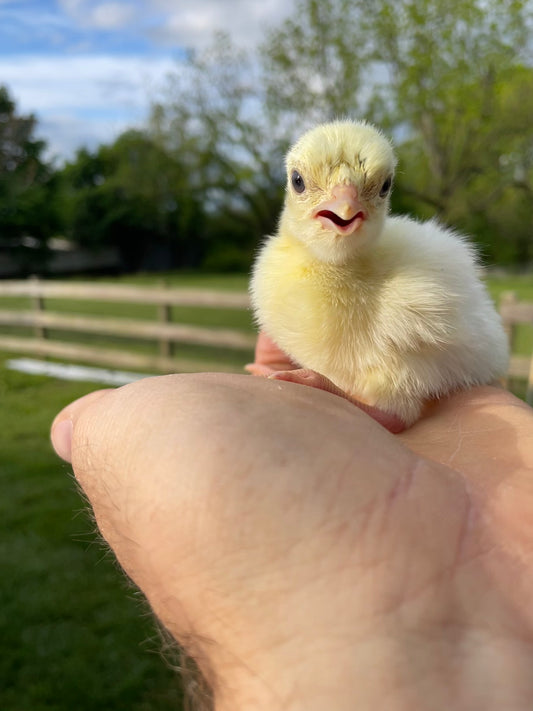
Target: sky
<point x="88" y="69"/>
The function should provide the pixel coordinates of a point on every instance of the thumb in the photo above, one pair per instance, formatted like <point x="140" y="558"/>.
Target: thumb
<point x="62" y="426"/>
<point x="124" y="445"/>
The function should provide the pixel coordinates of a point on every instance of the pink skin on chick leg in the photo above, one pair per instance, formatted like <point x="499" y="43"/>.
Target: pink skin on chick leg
<point x="273" y="363"/>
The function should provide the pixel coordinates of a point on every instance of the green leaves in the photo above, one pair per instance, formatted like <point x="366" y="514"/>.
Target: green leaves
<point x="313" y="63"/>
<point x="440" y="76"/>
<point x="135" y="196"/>
<point x="27" y="188"/>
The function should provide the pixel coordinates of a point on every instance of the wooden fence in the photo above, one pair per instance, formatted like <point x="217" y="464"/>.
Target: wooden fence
<point x="162" y="331"/>
<point x="513" y="313"/>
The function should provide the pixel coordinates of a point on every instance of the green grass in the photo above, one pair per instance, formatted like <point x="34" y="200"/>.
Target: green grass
<point x="522" y="285"/>
<point x="74" y="633"/>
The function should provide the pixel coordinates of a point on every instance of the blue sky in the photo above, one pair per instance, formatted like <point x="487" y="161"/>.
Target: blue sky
<point x="88" y="69"/>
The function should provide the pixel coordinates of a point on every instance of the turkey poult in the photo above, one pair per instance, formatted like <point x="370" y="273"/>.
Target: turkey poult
<point x="391" y="310"/>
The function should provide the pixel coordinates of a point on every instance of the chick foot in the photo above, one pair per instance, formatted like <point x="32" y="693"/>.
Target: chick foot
<point x="305" y="376"/>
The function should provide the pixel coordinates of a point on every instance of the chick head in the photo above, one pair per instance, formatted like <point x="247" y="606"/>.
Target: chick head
<point x="339" y="180"/>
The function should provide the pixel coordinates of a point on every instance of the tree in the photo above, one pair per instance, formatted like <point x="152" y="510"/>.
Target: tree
<point x="314" y="65"/>
<point x="134" y="196"/>
<point x="214" y="119"/>
<point x="439" y="75"/>
<point x="447" y="63"/>
<point x="28" y="209"/>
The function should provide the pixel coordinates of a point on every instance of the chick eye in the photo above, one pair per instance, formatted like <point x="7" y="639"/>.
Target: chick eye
<point x="297" y="182"/>
<point x="385" y="187"/>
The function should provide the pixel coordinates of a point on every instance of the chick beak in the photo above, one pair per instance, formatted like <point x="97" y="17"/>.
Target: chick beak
<point x="344" y="213"/>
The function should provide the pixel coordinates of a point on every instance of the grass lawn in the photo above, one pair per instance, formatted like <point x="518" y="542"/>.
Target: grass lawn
<point x="521" y="284"/>
<point x="74" y="634"/>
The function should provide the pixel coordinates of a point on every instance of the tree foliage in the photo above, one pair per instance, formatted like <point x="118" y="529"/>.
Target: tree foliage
<point x="214" y="119"/>
<point x="450" y="80"/>
<point x="314" y="64"/>
<point x="136" y="197"/>
<point x="441" y="76"/>
<point x="28" y="209"/>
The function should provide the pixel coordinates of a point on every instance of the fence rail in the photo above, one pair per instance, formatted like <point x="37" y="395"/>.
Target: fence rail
<point x="162" y="330"/>
<point x="87" y="291"/>
<point x="133" y="328"/>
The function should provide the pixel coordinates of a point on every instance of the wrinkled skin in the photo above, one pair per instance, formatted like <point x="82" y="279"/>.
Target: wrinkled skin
<point x="309" y="558"/>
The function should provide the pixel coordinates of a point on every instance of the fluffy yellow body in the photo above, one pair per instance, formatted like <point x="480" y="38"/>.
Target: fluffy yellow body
<point x="404" y="319"/>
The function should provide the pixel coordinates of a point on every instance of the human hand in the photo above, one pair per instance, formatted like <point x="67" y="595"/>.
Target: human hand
<point x="308" y="558"/>
<point x="270" y="361"/>
<point x="268" y="358"/>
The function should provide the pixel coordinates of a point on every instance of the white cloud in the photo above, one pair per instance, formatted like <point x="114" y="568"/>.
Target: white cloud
<point x="111" y="15"/>
<point x="84" y="100"/>
<point x="84" y="81"/>
<point x="64" y="134"/>
<point x="193" y="23"/>
<point x="72" y="7"/>
<point x="102" y="16"/>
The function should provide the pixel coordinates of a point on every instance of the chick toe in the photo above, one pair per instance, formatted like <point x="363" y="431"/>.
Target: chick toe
<point x="306" y="376"/>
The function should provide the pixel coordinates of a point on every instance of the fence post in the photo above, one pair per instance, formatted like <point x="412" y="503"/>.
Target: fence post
<point x="529" y="391"/>
<point x="164" y="315"/>
<point x="508" y="298"/>
<point x="38" y="308"/>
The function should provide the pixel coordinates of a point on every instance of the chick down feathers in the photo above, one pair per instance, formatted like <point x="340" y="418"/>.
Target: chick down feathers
<point x="392" y="310"/>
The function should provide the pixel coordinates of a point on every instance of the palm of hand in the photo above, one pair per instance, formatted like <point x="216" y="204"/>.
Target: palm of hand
<point x="300" y="546"/>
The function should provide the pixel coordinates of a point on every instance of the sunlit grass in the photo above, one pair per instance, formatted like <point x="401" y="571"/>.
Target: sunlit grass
<point x="74" y="634"/>
<point x="521" y="284"/>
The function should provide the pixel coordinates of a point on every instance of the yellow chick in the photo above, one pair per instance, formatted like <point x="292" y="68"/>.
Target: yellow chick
<point x="390" y="309"/>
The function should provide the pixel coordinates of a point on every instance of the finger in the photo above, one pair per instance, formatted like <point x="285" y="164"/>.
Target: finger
<point x="258" y="369"/>
<point x="267" y="353"/>
<point x="61" y="430"/>
<point x="264" y="370"/>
